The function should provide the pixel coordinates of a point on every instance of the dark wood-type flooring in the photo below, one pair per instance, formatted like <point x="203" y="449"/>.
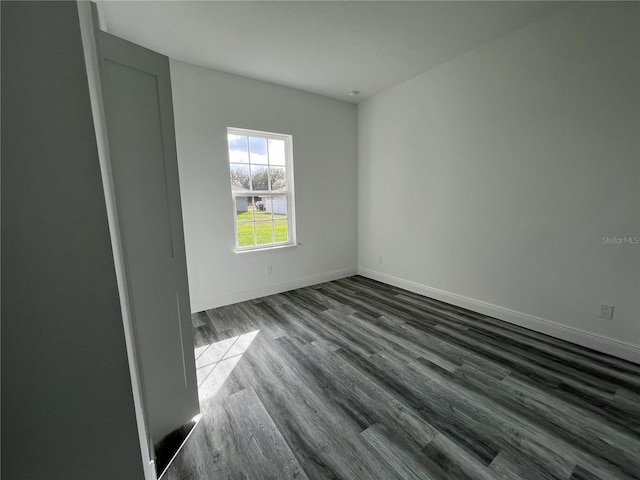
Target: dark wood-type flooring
<point x="354" y="379"/>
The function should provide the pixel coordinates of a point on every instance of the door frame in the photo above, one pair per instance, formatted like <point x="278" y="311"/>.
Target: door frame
<point x="89" y="25"/>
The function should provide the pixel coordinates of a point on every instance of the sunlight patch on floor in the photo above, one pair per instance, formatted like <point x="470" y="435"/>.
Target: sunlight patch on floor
<point x="215" y="362"/>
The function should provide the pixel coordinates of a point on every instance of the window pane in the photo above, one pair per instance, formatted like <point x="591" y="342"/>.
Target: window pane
<point x="259" y="168"/>
<point x="238" y="150"/>
<point x="258" y="150"/>
<point x="264" y="232"/>
<point x="263" y="208"/>
<point x="278" y="206"/>
<point x="254" y="205"/>
<point x="281" y="230"/>
<point x="244" y="209"/>
<point x="245" y="234"/>
<point x="259" y="178"/>
<point x="244" y="218"/>
<point x="278" y="178"/>
<point x="276" y="152"/>
<point x="239" y="177"/>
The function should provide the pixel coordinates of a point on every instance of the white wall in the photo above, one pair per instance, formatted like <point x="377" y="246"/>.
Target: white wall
<point x="67" y="402"/>
<point x="206" y="102"/>
<point x="490" y="181"/>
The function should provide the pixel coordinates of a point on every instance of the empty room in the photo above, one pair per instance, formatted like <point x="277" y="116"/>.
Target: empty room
<point x="320" y="240"/>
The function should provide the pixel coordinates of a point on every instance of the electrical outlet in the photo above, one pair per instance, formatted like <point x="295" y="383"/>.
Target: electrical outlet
<point x="606" y="311"/>
<point x="379" y="258"/>
<point x="269" y="270"/>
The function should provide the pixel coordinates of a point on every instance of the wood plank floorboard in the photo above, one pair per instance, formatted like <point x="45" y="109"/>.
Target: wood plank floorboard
<point x="355" y="379"/>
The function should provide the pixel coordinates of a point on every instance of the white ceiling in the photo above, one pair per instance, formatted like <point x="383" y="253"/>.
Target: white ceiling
<point x="322" y="47"/>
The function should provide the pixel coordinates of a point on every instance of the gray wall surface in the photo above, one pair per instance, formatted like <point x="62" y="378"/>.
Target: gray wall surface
<point x="67" y="404"/>
<point x="206" y="102"/>
<point x="499" y="173"/>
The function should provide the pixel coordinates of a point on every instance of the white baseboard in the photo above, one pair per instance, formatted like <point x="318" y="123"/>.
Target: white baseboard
<point x="600" y="343"/>
<point x="235" y="297"/>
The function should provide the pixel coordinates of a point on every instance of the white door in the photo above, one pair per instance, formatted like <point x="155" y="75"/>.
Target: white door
<point x="136" y="88"/>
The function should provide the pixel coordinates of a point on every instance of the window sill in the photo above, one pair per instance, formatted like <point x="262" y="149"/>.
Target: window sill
<point x="257" y="251"/>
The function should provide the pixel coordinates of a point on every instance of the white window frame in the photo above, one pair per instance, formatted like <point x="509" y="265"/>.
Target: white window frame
<point x="289" y="193"/>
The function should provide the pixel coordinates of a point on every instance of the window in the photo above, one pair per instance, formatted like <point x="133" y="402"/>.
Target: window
<point x="261" y="170"/>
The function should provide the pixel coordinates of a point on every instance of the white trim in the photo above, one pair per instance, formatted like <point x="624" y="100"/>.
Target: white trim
<point x="235" y="297"/>
<point x="278" y="247"/>
<point x="247" y="132"/>
<point x="86" y="19"/>
<point x="288" y="193"/>
<point x="600" y="343"/>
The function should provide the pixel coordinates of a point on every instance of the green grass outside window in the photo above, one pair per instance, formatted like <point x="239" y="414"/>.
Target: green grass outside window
<point x="264" y="228"/>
